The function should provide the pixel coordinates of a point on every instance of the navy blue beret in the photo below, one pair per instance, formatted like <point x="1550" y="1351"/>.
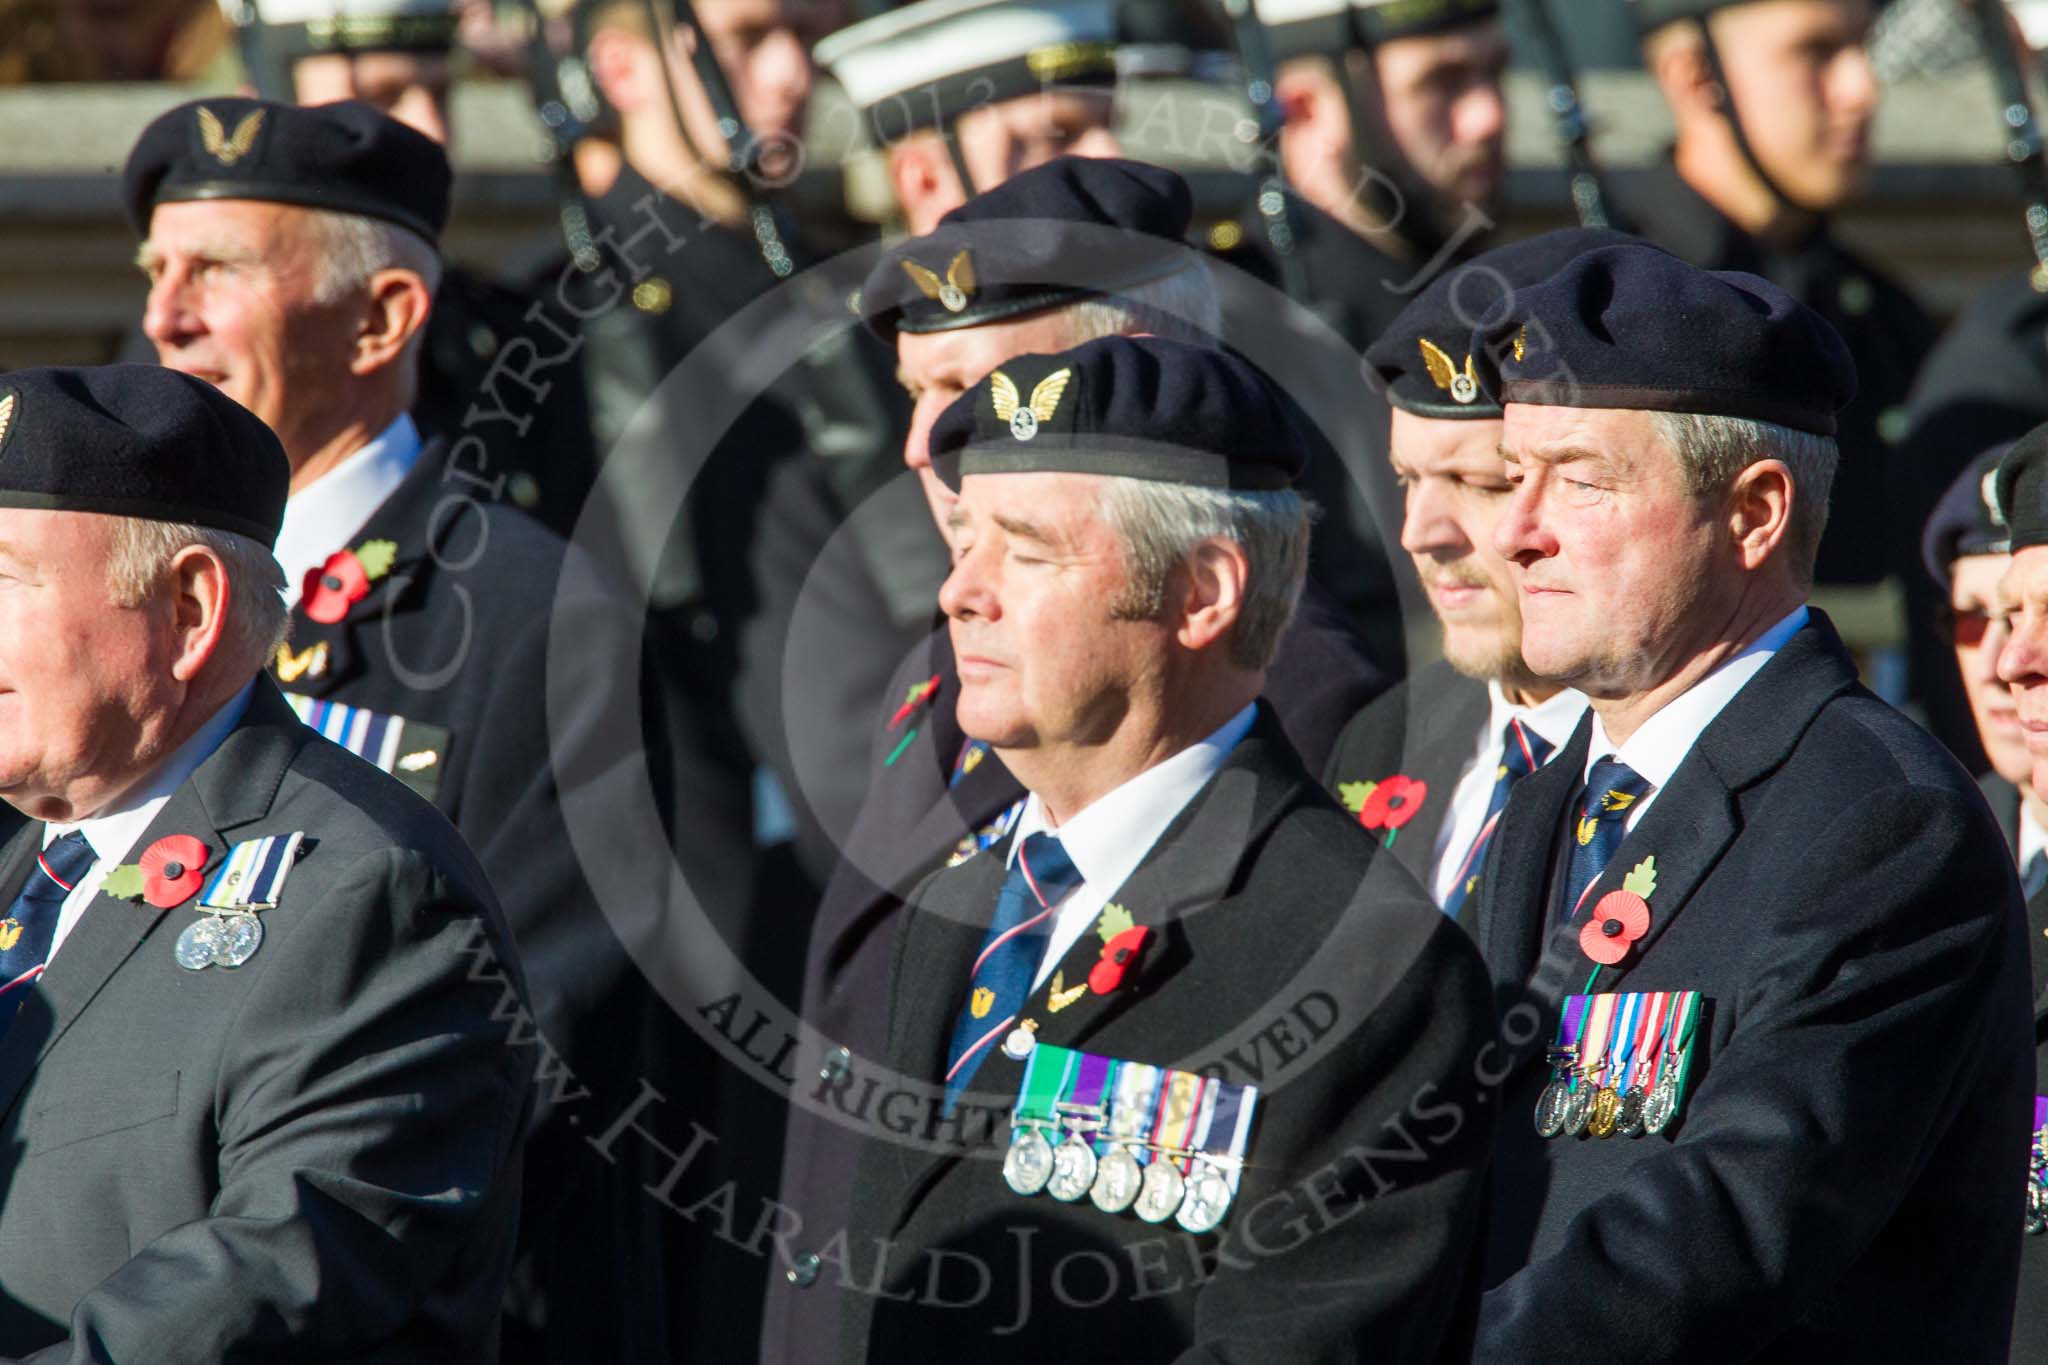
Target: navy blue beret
<point x="1635" y="327"/>
<point x="2022" y="489"/>
<point x="1139" y="407"/>
<point x="1074" y="228"/>
<point x="1651" y="15"/>
<point x="347" y="158"/>
<point x="139" y="441"/>
<point x="1422" y="360"/>
<point x="1966" y="521"/>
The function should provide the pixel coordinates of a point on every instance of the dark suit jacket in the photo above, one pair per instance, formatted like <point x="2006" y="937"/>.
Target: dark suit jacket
<point x="1425" y="727"/>
<point x="2030" y="1318"/>
<point x="1843" y="1180"/>
<point x="457" y="636"/>
<point x="1262" y="894"/>
<point x="908" y="826"/>
<point x="312" y="1156"/>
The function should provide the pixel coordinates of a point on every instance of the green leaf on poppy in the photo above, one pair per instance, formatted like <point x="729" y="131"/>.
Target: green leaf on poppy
<point x="1354" y="794"/>
<point x="377" y="557"/>
<point x="123" y="882"/>
<point x="1643" y="880"/>
<point x="1114" y="920"/>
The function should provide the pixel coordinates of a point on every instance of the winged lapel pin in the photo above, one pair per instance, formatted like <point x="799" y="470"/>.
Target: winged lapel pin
<point x="1023" y="417"/>
<point x="222" y="147"/>
<point x="953" y="292"/>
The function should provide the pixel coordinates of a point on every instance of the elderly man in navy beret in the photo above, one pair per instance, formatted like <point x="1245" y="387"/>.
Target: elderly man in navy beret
<point x="292" y="255"/>
<point x="255" y="1105"/>
<point x="1151" y="1052"/>
<point x="1060" y="254"/>
<point x="1765" y="923"/>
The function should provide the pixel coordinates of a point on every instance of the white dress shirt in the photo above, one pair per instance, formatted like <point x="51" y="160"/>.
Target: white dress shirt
<point x="113" y="833"/>
<point x="1554" y="719"/>
<point x="1654" y="751"/>
<point x="1108" y="840"/>
<point x="321" y="518"/>
<point x="2033" y="839"/>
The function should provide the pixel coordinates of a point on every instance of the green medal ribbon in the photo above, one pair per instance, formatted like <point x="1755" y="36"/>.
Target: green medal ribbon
<point x="1045" y="1079"/>
<point x="1685" y="1015"/>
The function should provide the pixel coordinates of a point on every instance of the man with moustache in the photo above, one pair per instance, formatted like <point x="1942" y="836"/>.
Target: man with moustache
<point x="1967" y="551"/>
<point x="1450" y="742"/>
<point x="1127" y="549"/>
<point x="1764" y="921"/>
<point x="1103" y="257"/>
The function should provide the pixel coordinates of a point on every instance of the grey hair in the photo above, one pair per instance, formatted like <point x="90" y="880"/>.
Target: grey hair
<point x="1158" y="525"/>
<point x="352" y="248"/>
<point x="1712" y="450"/>
<point x="1181" y="307"/>
<point x="139" y="560"/>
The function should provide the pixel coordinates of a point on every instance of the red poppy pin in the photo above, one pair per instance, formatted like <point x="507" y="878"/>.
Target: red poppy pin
<point x="1121" y="941"/>
<point x="344" y="580"/>
<point x="167" y="875"/>
<point x="1621" y="917"/>
<point x="1387" y="804"/>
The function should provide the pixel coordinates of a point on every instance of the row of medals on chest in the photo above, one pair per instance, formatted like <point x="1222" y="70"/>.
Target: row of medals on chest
<point x="1591" y="1097"/>
<point x="1116" y="1181"/>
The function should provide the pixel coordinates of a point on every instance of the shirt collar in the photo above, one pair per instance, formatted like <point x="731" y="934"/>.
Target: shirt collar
<point x="1554" y="719"/>
<point x="2033" y="839"/>
<point x="319" y="519"/>
<point x="1654" y="751"/>
<point x="112" y="833"/>
<point x="1111" y="837"/>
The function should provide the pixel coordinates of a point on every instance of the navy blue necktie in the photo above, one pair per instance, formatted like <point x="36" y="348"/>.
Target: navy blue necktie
<point x="31" y="923"/>
<point x="1612" y="789"/>
<point x="1523" y="753"/>
<point x="2034" y="875"/>
<point x="1040" y="877"/>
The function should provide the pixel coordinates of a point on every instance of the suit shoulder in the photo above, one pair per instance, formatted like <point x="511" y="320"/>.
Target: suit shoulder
<point x="352" y="809"/>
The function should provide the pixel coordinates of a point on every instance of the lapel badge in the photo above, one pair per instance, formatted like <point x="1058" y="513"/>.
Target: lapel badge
<point x="1387" y="804"/>
<point x="1462" y="386"/>
<point x="222" y="146"/>
<point x="1022" y="1039"/>
<point x="919" y="694"/>
<point x="1062" y="995"/>
<point x="955" y="291"/>
<point x="1024" y="418"/>
<point x="1621" y="917"/>
<point x="310" y="662"/>
<point x="1121" y="941"/>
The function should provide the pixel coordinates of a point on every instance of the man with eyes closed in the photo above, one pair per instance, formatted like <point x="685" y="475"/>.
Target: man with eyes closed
<point x="1449" y="742"/>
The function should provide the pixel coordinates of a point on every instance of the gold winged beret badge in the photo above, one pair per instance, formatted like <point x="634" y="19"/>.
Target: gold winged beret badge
<point x="953" y="292"/>
<point x="6" y="415"/>
<point x="220" y="145"/>
<point x="1024" y="417"/>
<point x="1463" y="386"/>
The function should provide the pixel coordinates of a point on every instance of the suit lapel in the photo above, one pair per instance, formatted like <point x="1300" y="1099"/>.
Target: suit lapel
<point x="232" y="787"/>
<point x="1444" y="725"/>
<point x="1515" y="892"/>
<point x="1695" y="818"/>
<point x="1190" y="867"/>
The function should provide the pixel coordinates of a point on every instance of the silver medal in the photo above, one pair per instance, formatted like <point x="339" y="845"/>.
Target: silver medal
<point x="1117" y="1179"/>
<point x="1550" y="1108"/>
<point x="200" y="945"/>
<point x="1073" y="1169"/>
<point x="1028" y="1164"/>
<point x="1578" y="1108"/>
<point x="1019" y="1044"/>
<point x="1661" y="1106"/>
<point x="1160" y="1195"/>
<point x="2037" y="1208"/>
<point x="1208" y="1196"/>
<point x="242" y="936"/>
<point x="1630" y="1121"/>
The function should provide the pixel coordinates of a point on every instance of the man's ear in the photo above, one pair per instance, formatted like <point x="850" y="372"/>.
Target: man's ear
<point x="200" y="598"/>
<point x="1211" y="585"/>
<point x="919" y="174"/>
<point x="1677" y="60"/>
<point x="1760" y="511"/>
<point x="397" y="308"/>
